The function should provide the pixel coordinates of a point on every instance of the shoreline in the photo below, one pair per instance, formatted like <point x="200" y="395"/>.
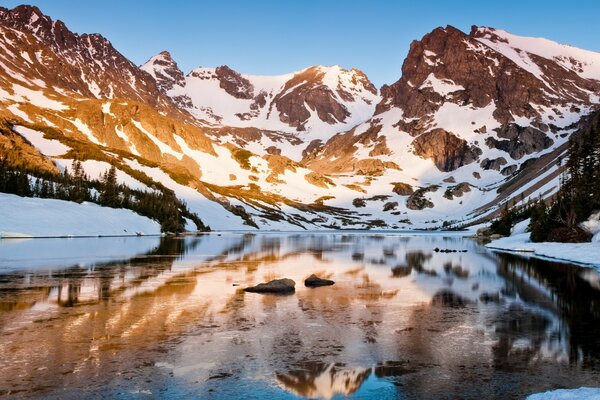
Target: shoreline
<point x="581" y="254"/>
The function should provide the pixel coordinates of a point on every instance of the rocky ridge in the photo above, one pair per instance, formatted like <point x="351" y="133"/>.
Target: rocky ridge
<point x="484" y="109"/>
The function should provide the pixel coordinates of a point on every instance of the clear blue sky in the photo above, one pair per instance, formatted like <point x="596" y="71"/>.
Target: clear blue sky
<point x="275" y="37"/>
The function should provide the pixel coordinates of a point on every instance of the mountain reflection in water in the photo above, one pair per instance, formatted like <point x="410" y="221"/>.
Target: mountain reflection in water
<point x="168" y="317"/>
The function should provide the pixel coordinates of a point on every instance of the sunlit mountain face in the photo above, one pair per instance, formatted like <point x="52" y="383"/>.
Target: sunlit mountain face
<point x="168" y="316"/>
<point x="475" y="120"/>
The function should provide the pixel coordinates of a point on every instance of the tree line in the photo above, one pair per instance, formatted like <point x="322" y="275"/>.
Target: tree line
<point x="75" y="185"/>
<point x="559" y="219"/>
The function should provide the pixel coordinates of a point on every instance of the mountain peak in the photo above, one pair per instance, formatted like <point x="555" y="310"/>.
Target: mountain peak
<point x="165" y="71"/>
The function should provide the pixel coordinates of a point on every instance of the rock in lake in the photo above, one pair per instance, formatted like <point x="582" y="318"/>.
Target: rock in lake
<point x="315" y="281"/>
<point x="274" y="286"/>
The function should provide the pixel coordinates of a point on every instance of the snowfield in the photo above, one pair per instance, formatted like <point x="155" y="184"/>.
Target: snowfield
<point x="519" y="241"/>
<point x="568" y="394"/>
<point x="34" y="217"/>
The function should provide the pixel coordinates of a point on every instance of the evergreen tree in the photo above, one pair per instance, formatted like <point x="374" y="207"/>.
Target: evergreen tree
<point x="109" y="193"/>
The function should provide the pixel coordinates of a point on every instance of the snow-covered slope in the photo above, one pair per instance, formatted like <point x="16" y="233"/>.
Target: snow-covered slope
<point x="585" y="63"/>
<point x="27" y="217"/>
<point x="476" y="120"/>
<point x="469" y="117"/>
<point x="317" y="101"/>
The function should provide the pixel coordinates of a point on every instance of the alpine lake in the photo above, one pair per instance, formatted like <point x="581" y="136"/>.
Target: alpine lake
<point x="410" y="316"/>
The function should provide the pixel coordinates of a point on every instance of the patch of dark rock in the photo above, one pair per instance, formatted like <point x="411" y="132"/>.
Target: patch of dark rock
<point x="220" y="375"/>
<point x="438" y="250"/>
<point x="417" y="200"/>
<point x="486" y="297"/>
<point x="456" y="270"/>
<point x="400" y="271"/>
<point x="448" y="298"/>
<point x="275" y="286"/>
<point x="390" y="205"/>
<point x="358" y="203"/>
<point x="511" y="169"/>
<point x="402" y="189"/>
<point x="457" y="191"/>
<point x="521" y="141"/>
<point x="394" y="368"/>
<point x="566" y="234"/>
<point x="447" y="151"/>
<point x="495" y="164"/>
<point x="315" y="281"/>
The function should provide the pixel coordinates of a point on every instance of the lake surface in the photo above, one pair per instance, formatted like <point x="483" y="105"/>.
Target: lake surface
<point x="156" y="317"/>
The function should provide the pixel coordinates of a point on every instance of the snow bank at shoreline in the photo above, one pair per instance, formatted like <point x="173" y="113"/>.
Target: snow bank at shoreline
<point x="568" y="394"/>
<point x="579" y="253"/>
<point x="34" y="217"/>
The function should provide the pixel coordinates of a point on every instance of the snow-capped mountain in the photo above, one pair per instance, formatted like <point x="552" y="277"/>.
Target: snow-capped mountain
<point x="469" y="113"/>
<point x="475" y="120"/>
<point x="314" y="102"/>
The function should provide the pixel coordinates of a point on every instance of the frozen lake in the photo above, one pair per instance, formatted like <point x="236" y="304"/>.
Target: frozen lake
<point x="148" y="317"/>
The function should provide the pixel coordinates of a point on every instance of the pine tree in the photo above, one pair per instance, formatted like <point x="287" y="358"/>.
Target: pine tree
<point x="109" y="195"/>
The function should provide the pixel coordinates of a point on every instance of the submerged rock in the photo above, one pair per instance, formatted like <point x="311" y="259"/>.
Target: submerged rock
<point x="275" y="286"/>
<point x="315" y="281"/>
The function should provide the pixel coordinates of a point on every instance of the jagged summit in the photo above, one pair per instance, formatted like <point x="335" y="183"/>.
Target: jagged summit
<point x="319" y="100"/>
<point x="475" y="120"/>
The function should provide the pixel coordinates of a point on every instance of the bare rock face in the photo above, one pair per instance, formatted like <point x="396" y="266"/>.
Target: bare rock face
<point x="447" y="151"/>
<point x="511" y="169"/>
<point x="495" y="164"/>
<point x="275" y="286"/>
<point x="520" y="141"/>
<point x="417" y="200"/>
<point x="317" y="179"/>
<point x="87" y="65"/>
<point x="457" y="190"/>
<point x="370" y="167"/>
<point x="168" y="73"/>
<point x="234" y="83"/>
<point x="307" y="89"/>
<point x="480" y="76"/>
<point x="168" y="76"/>
<point x="402" y="189"/>
<point x="390" y="205"/>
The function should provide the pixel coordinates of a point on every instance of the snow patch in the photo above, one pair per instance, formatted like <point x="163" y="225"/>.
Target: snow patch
<point x="26" y="217"/>
<point x="583" y="393"/>
<point x="48" y="147"/>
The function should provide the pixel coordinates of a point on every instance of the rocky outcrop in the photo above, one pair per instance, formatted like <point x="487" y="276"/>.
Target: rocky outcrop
<point x="275" y="286"/>
<point x="520" y="141"/>
<point x="402" y="189"/>
<point x="457" y="191"/>
<point x="314" y="178"/>
<point x="418" y="201"/>
<point x="507" y="171"/>
<point x="447" y="151"/>
<point x="494" y="164"/>
<point x="315" y="281"/>
<point x="234" y="83"/>
<point x="168" y="76"/>
<point x="390" y="205"/>
<point x="85" y="65"/>
<point x="304" y="90"/>
<point x="474" y="73"/>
